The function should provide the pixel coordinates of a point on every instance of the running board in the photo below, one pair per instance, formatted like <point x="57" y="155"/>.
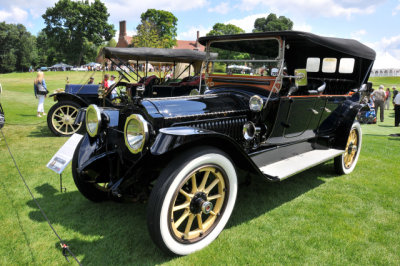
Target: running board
<point x="293" y="165"/>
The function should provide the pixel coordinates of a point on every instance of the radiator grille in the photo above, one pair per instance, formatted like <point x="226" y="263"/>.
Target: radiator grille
<point x="231" y="126"/>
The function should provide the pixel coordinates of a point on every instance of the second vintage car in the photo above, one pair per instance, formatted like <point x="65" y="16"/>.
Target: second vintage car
<point x="182" y="66"/>
<point x="290" y="106"/>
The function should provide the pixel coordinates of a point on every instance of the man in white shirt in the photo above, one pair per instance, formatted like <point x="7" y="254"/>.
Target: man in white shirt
<point x="396" y="102"/>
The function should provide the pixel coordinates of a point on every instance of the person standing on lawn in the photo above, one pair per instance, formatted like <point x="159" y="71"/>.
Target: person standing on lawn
<point x="387" y="98"/>
<point x="396" y="103"/>
<point x="40" y="88"/>
<point x="379" y="99"/>
<point x="394" y="93"/>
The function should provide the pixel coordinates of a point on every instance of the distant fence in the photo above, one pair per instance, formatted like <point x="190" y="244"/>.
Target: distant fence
<point x="387" y="72"/>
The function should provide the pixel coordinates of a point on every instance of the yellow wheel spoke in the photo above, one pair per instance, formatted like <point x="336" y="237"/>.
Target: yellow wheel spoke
<point x="181" y="219"/>
<point x="200" y="221"/>
<point x="211" y="186"/>
<point x="194" y="184"/>
<point x="213" y="197"/>
<point x="189" y="224"/>
<point x="187" y="195"/>
<point x="61" y="110"/>
<point x="204" y="181"/>
<point x="182" y="206"/>
<point x="213" y="213"/>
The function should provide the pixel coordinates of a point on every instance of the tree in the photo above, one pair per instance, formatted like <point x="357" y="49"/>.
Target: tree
<point x="149" y="36"/>
<point x="224" y="29"/>
<point x="161" y="23"/>
<point x="76" y="28"/>
<point x="17" y="48"/>
<point x="272" y="23"/>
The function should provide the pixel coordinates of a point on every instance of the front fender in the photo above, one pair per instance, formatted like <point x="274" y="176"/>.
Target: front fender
<point x="176" y="139"/>
<point x="64" y="96"/>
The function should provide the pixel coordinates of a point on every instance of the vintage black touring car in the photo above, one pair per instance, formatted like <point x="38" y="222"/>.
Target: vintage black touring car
<point x="183" y="66"/>
<point x="184" y="153"/>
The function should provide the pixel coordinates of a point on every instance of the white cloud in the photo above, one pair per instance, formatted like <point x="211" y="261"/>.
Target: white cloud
<point x="14" y="15"/>
<point x="247" y="23"/>
<point x="387" y="52"/>
<point x="191" y="33"/>
<point x="396" y="10"/>
<point x="222" y="8"/>
<point x="314" y="8"/>
<point x="127" y="9"/>
<point x="358" y="34"/>
<point x="302" y="26"/>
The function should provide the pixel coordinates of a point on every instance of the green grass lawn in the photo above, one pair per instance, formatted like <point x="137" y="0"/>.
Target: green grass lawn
<point x="315" y="217"/>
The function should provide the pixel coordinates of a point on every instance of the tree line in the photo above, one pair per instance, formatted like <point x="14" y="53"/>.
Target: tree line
<point x="75" y="31"/>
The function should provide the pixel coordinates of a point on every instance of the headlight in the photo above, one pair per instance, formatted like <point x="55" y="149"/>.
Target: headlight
<point x="93" y="120"/>
<point x="136" y="133"/>
<point x="256" y="103"/>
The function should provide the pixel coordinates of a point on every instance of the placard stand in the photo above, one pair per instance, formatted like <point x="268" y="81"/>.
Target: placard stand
<point x="61" y="186"/>
<point x="63" y="157"/>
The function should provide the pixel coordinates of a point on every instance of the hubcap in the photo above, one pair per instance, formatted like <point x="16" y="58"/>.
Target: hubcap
<point x="351" y="149"/>
<point x="198" y="204"/>
<point x="63" y="119"/>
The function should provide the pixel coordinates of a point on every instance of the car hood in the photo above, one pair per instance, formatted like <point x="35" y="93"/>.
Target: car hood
<point x="195" y="106"/>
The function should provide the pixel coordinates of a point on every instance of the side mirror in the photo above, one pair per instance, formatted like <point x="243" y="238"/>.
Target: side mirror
<point x="300" y="77"/>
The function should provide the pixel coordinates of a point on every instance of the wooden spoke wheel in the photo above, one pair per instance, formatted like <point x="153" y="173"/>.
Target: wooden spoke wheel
<point x="345" y="163"/>
<point x="192" y="200"/>
<point x="61" y="118"/>
<point x="197" y="204"/>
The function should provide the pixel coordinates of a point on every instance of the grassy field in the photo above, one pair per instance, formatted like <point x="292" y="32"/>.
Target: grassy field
<point x="315" y="217"/>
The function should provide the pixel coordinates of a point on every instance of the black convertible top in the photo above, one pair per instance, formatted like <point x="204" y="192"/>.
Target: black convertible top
<point x="347" y="46"/>
<point x="153" y="54"/>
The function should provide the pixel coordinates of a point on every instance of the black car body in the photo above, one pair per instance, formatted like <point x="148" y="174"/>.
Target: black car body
<point x="184" y="65"/>
<point x="185" y="152"/>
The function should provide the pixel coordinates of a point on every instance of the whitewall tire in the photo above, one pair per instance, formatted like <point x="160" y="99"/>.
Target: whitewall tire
<point x="192" y="200"/>
<point x="345" y="163"/>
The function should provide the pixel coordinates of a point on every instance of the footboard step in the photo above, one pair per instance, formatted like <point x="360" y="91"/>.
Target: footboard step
<point x="293" y="165"/>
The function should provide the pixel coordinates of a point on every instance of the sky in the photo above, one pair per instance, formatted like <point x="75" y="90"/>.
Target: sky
<point x="376" y="23"/>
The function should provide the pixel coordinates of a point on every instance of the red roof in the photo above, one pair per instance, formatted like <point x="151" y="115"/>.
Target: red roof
<point x="188" y="45"/>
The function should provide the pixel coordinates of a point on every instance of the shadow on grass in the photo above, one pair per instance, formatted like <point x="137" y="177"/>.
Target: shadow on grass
<point x="118" y="232"/>
<point x="41" y="131"/>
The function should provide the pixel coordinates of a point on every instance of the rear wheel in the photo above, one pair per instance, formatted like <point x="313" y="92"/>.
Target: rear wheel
<point x="345" y="163"/>
<point x="61" y="118"/>
<point x="192" y="200"/>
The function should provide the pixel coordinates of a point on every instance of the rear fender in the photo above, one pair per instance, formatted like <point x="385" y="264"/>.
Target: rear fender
<point x="339" y="124"/>
<point x="172" y="140"/>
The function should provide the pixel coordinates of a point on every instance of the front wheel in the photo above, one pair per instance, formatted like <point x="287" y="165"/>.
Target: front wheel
<point x="61" y="118"/>
<point x="192" y="200"/>
<point x="345" y="163"/>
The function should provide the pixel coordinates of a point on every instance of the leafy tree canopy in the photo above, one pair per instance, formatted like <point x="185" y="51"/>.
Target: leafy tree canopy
<point x="76" y="28"/>
<point x="17" y="48"/>
<point x="224" y="29"/>
<point x="159" y="22"/>
<point x="272" y="23"/>
<point x="149" y="36"/>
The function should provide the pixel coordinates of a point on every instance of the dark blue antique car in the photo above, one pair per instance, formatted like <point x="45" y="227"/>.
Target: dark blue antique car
<point x="183" y="66"/>
<point x="292" y="108"/>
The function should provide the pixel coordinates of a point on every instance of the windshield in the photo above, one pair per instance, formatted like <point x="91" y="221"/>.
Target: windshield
<point x="245" y="57"/>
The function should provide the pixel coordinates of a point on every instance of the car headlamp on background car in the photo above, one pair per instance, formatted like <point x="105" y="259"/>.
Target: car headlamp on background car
<point x="93" y="120"/>
<point x="256" y="103"/>
<point x="136" y="133"/>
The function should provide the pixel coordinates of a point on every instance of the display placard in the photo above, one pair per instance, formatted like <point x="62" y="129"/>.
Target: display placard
<point x="64" y="155"/>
